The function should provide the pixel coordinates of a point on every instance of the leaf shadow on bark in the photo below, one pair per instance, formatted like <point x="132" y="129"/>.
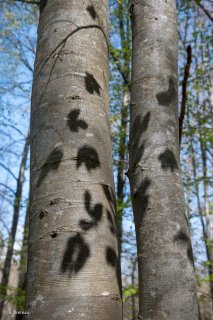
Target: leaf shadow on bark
<point x="95" y="213"/>
<point x="165" y="98"/>
<point x="110" y="195"/>
<point x="168" y="160"/>
<point x="112" y="223"/>
<point x="113" y="261"/>
<point x="42" y="5"/>
<point x="91" y="84"/>
<point x="138" y="127"/>
<point x="75" y="255"/>
<point x="142" y="197"/>
<point x="52" y="163"/>
<point x="74" y="123"/>
<point x="183" y="239"/>
<point x="92" y="11"/>
<point x="88" y="155"/>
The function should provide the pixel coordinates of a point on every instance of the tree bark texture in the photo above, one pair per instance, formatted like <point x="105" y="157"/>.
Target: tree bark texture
<point x="12" y="235"/>
<point x="73" y="265"/>
<point x="167" y="288"/>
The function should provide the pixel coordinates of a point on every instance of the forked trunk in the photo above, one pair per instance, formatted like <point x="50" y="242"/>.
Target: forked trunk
<point x="167" y="286"/>
<point x="73" y="268"/>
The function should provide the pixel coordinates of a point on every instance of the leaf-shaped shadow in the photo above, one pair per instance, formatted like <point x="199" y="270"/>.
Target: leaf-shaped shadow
<point x="91" y="84"/>
<point x="168" y="161"/>
<point x="95" y="213"/>
<point x="142" y="194"/>
<point x="75" y="255"/>
<point x="92" y="11"/>
<point x="74" y="123"/>
<point x="182" y="238"/>
<point x="111" y="256"/>
<point x="139" y="126"/>
<point x="113" y="261"/>
<point x="166" y="97"/>
<point x="52" y="163"/>
<point x="112" y="224"/>
<point x="88" y="155"/>
<point x="110" y="195"/>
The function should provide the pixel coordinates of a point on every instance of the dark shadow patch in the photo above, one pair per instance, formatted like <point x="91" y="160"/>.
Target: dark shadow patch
<point x="91" y="84"/>
<point x="138" y="155"/>
<point x="75" y="255"/>
<point x="43" y="4"/>
<point x="140" y="124"/>
<point x="88" y="156"/>
<point x="183" y="238"/>
<point x="112" y="225"/>
<point x="111" y="214"/>
<point x="95" y="213"/>
<point x="53" y="234"/>
<point x="111" y="256"/>
<point x="138" y="127"/>
<point x="52" y="163"/>
<point x="110" y="195"/>
<point x="42" y="214"/>
<point x="190" y="254"/>
<point x="91" y="11"/>
<point x="166" y="97"/>
<point x="113" y="261"/>
<point x="74" y="123"/>
<point x="168" y="161"/>
<point x="141" y="194"/>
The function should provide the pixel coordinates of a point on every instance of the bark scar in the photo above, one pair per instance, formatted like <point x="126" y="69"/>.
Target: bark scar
<point x="43" y="213"/>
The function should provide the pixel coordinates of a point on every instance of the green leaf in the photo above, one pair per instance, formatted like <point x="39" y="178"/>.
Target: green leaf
<point x="129" y="292"/>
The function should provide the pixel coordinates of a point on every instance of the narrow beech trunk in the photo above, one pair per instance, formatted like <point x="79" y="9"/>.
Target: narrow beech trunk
<point x="73" y="265"/>
<point x="123" y="66"/>
<point x="209" y="232"/>
<point x="122" y="150"/>
<point x="12" y="235"/>
<point x="203" y="212"/>
<point x="167" y="288"/>
<point x="23" y="267"/>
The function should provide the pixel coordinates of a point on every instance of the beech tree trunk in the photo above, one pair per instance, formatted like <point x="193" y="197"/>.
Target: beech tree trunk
<point x="122" y="151"/>
<point x="167" y="288"/>
<point x="23" y="266"/>
<point x="73" y="265"/>
<point x="12" y="235"/>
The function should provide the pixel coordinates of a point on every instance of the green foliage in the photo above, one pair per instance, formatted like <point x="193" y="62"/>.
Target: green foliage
<point x="129" y="292"/>
<point x="15" y="296"/>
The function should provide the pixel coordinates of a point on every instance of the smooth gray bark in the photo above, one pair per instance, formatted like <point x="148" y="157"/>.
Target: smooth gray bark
<point x="167" y="288"/>
<point x="73" y="270"/>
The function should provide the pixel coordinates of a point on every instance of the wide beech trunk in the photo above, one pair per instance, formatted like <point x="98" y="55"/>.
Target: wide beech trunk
<point x="73" y="270"/>
<point x="167" y="288"/>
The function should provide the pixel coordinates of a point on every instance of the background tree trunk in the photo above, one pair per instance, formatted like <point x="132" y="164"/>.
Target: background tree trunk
<point x="12" y="235"/>
<point x="73" y="265"/>
<point x="23" y="267"/>
<point x="122" y="59"/>
<point x="167" y="287"/>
